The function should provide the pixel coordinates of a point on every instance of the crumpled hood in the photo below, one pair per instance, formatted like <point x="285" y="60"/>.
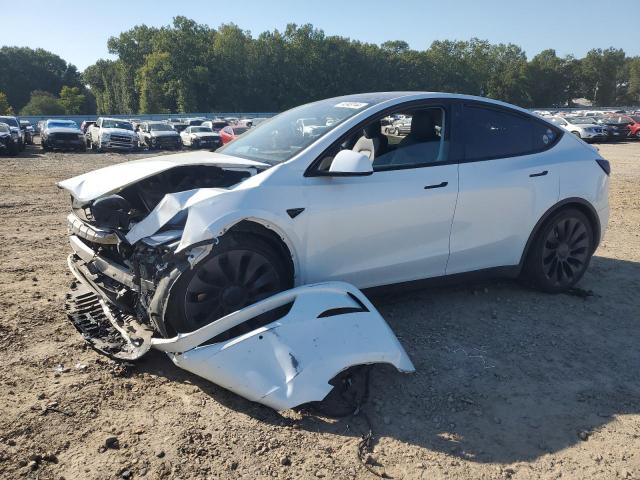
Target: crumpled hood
<point x="111" y="179"/>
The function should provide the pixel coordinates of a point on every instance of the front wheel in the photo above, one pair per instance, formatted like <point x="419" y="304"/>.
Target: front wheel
<point x="560" y="252"/>
<point x="242" y="269"/>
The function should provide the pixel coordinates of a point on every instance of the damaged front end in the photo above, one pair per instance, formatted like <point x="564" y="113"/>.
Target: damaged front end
<point x="131" y="244"/>
<point x="131" y="280"/>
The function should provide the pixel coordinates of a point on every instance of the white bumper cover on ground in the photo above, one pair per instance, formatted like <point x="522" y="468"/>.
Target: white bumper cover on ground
<point x="288" y="362"/>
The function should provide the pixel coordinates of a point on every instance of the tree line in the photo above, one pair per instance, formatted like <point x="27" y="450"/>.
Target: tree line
<point x="191" y="67"/>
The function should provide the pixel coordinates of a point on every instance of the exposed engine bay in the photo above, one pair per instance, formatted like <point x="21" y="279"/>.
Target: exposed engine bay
<point x="136" y="201"/>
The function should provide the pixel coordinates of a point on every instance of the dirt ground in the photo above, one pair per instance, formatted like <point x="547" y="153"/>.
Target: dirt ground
<point x="510" y="383"/>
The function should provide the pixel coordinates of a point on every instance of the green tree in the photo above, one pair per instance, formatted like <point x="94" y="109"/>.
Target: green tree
<point x="600" y="73"/>
<point x="547" y="82"/>
<point x="71" y="100"/>
<point x="5" y="108"/>
<point x="154" y="82"/>
<point x="633" y="91"/>
<point x="190" y="67"/>
<point x="25" y="70"/>
<point x="42" y="103"/>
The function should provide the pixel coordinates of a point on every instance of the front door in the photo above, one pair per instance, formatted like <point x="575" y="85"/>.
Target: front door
<point x="393" y="225"/>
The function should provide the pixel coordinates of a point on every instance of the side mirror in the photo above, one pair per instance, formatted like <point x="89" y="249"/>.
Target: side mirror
<point x="348" y="163"/>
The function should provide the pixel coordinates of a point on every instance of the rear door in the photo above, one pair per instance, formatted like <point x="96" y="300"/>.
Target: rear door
<point x="508" y="180"/>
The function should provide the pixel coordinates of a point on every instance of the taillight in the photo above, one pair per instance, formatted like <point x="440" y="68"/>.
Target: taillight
<point x="604" y="165"/>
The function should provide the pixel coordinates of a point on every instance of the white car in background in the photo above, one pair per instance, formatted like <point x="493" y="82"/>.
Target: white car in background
<point x="215" y="258"/>
<point x="200" y="137"/>
<point x="586" y="128"/>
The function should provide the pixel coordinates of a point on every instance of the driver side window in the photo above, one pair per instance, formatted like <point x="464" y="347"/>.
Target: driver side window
<point x="408" y="138"/>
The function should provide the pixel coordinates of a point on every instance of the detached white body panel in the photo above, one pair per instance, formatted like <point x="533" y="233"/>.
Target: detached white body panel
<point x="329" y="328"/>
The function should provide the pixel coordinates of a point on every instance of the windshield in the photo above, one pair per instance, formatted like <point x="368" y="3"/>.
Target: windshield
<point x="12" y="122"/>
<point x="636" y="118"/>
<point x="201" y="130"/>
<point x="108" y="123"/>
<point x="581" y="120"/>
<point x="280" y="138"/>
<point x="160" y="127"/>
<point x="4" y="128"/>
<point x="61" y="124"/>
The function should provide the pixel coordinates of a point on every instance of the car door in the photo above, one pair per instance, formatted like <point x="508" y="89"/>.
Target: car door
<point x="508" y="180"/>
<point x="388" y="227"/>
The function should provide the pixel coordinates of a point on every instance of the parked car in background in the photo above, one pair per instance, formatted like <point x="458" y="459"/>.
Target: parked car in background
<point x="8" y="145"/>
<point x="629" y="124"/>
<point x="16" y="132"/>
<point x="585" y="128"/>
<point x="112" y="134"/>
<point x="401" y="126"/>
<point x="617" y="128"/>
<point x="62" y="135"/>
<point x="195" y="122"/>
<point x="158" y="135"/>
<point x="29" y="133"/>
<point x="200" y="137"/>
<point x="231" y="132"/>
<point x="633" y="123"/>
<point x="216" y="124"/>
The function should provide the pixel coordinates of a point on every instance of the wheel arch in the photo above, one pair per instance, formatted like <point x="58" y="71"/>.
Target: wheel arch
<point x="573" y="202"/>
<point x="271" y="235"/>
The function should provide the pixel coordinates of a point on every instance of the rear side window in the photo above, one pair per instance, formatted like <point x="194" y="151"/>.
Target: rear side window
<point x="492" y="133"/>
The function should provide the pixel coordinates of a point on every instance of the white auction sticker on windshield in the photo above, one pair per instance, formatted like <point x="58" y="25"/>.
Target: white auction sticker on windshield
<point x="354" y="105"/>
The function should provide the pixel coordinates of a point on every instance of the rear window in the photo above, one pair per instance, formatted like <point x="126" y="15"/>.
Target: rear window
<point x="493" y="133"/>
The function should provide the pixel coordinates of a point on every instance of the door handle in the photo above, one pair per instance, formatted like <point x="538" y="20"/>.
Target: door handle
<point x="539" y="174"/>
<point x="438" y="185"/>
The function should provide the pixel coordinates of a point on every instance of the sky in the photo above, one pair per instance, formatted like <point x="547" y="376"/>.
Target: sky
<point x="78" y="31"/>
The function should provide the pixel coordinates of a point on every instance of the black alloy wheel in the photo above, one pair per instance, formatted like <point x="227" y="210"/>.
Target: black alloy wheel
<point x="565" y="251"/>
<point x="228" y="282"/>
<point x="241" y="270"/>
<point x="561" y="251"/>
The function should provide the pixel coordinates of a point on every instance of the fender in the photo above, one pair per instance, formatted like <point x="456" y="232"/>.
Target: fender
<point x="211" y="212"/>
<point x="582" y="204"/>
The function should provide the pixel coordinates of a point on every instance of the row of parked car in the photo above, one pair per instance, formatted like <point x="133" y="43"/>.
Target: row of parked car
<point x="597" y="125"/>
<point x="106" y="133"/>
<point x="15" y="134"/>
<point x="121" y="134"/>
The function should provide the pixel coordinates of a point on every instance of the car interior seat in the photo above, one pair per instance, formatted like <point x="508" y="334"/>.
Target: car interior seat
<point x="372" y="143"/>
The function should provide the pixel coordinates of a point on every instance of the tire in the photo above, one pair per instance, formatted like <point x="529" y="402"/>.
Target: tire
<point x="242" y="269"/>
<point x="21" y="146"/>
<point x="560" y="252"/>
<point x="637" y="135"/>
<point x="45" y="147"/>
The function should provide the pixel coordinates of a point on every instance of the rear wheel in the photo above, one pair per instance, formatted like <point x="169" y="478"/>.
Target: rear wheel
<point x="241" y="270"/>
<point x="560" y="252"/>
